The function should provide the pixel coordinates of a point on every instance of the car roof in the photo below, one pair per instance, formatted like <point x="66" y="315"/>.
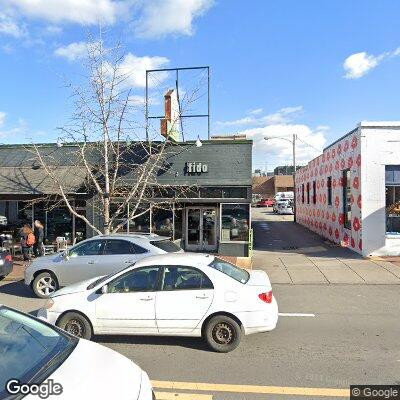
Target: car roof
<point x="188" y="259"/>
<point x="134" y="235"/>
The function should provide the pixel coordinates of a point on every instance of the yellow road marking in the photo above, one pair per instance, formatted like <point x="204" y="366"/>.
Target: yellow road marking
<point x="285" y="390"/>
<point x="182" y="396"/>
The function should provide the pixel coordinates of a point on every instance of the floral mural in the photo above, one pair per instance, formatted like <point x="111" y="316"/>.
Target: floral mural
<point x="340" y="221"/>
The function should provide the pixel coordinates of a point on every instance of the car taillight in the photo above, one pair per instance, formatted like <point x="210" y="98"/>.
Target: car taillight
<point x="266" y="297"/>
<point x="8" y="257"/>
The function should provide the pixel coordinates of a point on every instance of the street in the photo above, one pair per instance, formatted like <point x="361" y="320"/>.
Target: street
<point x="330" y="336"/>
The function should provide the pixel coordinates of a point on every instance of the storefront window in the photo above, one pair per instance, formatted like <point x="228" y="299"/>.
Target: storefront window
<point x="235" y="222"/>
<point x="141" y="223"/>
<point x="178" y="215"/>
<point x="58" y="224"/>
<point x="392" y="199"/>
<point x="122" y="217"/>
<point x="347" y="198"/>
<point x="162" y="221"/>
<point x="234" y="193"/>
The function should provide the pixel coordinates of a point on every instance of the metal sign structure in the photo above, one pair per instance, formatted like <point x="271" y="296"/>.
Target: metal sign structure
<point x="181" y="116"/>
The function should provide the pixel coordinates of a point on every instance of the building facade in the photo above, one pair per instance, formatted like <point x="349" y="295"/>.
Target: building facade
<point x="350" y="194"/>
<point x="212" y="216"/>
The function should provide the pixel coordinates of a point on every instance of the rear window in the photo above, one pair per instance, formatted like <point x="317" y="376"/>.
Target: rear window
<point x="166" y="245"/>
<point x="231" y="270"/>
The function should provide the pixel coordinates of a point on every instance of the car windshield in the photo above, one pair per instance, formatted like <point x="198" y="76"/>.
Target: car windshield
<point x="231" y="270"/>
<point x="166" y="245"/>
<point x="29" y="350"/>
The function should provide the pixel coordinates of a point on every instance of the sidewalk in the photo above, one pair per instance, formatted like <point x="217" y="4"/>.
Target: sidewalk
<point x="291" y="254"/>
<point x="290" y="268"/>
<point x="18" y="271"/>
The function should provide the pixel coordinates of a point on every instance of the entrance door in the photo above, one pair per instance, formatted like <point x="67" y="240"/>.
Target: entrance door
<point x="201" y="232"/>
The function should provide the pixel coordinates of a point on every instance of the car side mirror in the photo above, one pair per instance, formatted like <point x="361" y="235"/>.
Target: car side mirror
<point x="104" y="289"/>
<point x="65" y="255"/>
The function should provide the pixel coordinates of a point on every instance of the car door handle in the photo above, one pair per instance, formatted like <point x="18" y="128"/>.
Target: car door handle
<point x="202" y="297"/>
<point x="146" y="298"/>
<point x="129" y="261"/>
<point x="91" y="262"/>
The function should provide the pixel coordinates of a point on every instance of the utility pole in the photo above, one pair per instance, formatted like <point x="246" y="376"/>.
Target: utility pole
<point x="294" y="175"/>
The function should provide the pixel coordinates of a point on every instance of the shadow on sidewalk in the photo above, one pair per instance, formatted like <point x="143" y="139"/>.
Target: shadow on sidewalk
<point x="17" y="288"/>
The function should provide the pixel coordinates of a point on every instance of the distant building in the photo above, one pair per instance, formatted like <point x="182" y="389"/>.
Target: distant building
<point x="268" y="186"/>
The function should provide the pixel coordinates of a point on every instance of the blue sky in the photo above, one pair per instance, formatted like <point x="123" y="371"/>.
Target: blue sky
<point x="311" y="67"/>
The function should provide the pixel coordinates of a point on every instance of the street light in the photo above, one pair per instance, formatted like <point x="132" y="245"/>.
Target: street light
<point x="293" y="142"/>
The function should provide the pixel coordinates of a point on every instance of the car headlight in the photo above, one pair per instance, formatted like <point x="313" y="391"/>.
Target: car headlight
<point x="49" y="303"/>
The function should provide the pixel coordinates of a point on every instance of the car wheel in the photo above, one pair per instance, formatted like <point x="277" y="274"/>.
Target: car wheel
<point x="222" y="333"/>
<point x="76" y="324"/>
<point x="44" y="285"/>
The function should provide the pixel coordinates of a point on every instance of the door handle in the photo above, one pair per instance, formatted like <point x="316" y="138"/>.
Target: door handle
<point x="129" y="262"/>
<point x="91" y="262"/>
<point x="146" y="298"/>
<point x="202" y="297"/>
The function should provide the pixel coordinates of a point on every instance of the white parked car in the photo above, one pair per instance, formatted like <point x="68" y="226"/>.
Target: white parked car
<point x="285" y="207"/>
<point x="172" y="294"/>
<point x="35" y="353"/>
<point x="100" y="255"/>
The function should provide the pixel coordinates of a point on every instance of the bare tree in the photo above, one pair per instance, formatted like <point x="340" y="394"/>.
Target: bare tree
<point x="107" y="146"/>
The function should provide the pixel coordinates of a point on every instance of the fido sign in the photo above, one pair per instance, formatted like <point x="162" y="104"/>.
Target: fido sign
<point x="196" y="167"/>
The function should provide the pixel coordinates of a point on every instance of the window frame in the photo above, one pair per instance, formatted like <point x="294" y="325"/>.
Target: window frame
<point x="123" y="254"/>
<point x="329" y="190"/>
<point x="308" y="192"/>
<point x="302" y="193"/>
<point x="156" y="289"/>
<point x="162" y="277"/>
<point x="346" y="203"/>
<point x="314" y="196"/>
<point x="80" y="244"/>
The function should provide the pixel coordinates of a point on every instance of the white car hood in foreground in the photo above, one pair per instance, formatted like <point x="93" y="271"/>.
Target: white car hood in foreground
<point x="93" y="371"/>
<point x="75" y="287"/>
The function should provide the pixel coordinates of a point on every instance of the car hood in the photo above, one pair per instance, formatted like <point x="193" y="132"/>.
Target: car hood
<point x="46" y="260"/>
<point x="94" y="371"/>
<point x="74" y="288"/>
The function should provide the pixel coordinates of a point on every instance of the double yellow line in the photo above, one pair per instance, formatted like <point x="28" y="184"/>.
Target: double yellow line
<point x="253" y="389"/>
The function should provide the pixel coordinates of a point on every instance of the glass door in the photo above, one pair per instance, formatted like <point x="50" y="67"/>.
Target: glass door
<point x="201" y="229"/>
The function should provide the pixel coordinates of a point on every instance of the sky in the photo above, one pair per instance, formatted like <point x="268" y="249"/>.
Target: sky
<point x="314" y="68"/>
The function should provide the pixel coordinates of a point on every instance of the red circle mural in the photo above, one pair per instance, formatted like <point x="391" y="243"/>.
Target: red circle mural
<point x="359" y="201"/>
<point x="356" y="224"/>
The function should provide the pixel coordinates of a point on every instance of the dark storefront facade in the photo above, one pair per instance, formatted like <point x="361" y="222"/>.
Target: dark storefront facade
<point x="211" y="215"/>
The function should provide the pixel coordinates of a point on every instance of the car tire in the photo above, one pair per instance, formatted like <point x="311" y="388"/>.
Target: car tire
<point x="222" y="333"/>
<point x="76" y="324"/>
<point x="44" y="284"/>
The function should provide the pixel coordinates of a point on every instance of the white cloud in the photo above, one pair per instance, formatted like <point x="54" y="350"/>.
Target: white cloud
<point x="163" y="17"/>
<point x="256" y="111"/>
<point x="2" y="118"/>
<point x="308" y="146"/>
<point x="359" y="64"/>
<point x="73" y="51"/>
<point x="9" y="26"/>
<point x="283" y="115"/>
<point x="84" y="12"/>
<point x="134" y="67"/>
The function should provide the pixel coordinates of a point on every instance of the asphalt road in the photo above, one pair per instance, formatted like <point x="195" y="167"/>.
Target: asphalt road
<point x="352" y="339"/>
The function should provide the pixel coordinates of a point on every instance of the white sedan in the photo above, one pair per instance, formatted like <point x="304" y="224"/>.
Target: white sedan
<point x="39" y="358"/>
<point x="172" y="294"/>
